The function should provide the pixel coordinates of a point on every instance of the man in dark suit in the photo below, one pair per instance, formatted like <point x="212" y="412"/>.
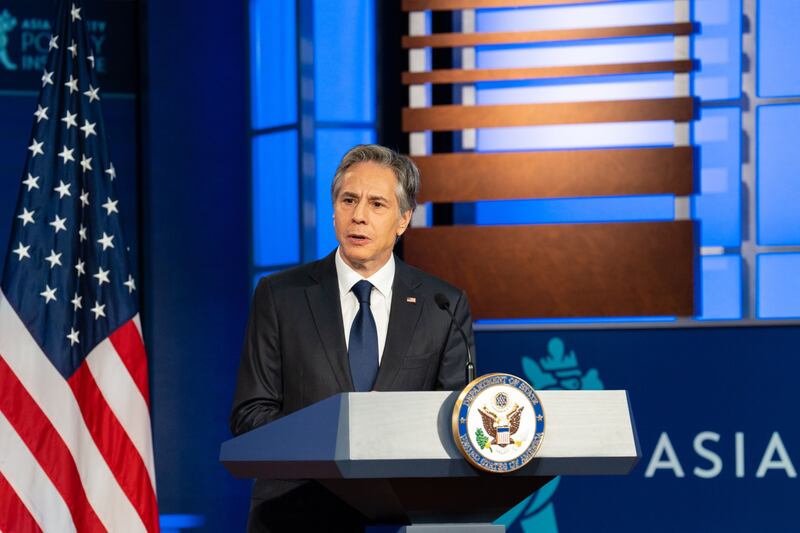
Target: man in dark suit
<point x="358" y="320"/>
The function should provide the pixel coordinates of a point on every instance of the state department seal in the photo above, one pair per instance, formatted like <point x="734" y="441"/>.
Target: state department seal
<point x="498" y="423"/>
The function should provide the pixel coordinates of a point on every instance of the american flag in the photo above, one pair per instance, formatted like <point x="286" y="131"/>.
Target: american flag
<point x="75" y="445"/>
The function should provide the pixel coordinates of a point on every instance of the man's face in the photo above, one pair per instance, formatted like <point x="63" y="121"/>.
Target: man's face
<point x="366" y="217"/>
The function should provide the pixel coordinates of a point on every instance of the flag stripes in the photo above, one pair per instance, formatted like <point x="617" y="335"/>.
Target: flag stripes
<point x="13" y="512"/>
<point x="127" y="341"/>
<point x="47" y="446"/>
<point x="26" y="373"/>
<point x="125" y="399"/>
<point x="116" y="447"/>
<point x="31" y="485"/>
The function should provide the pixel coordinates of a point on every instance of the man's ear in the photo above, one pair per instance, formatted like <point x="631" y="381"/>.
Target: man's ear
<point x="405" y="220"/>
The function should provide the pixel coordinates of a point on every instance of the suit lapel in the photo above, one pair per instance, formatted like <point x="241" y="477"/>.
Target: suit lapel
<point x="403" y="319"/>
<point x="323" y="298"/>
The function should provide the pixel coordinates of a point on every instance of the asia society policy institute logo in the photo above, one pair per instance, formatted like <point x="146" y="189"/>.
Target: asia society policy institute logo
<point x="498" y="423"/>
<point x="25" y="32"/>
<point x="7" y="23"/>
<point x="559" y="369"/>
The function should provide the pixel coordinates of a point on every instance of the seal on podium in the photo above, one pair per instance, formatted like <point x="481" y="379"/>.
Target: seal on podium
<point x="498" y="423"/>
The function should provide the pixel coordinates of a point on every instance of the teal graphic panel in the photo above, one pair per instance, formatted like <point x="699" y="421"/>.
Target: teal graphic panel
<point x="715" y="419"/>
<point x="25" y="29"/>
<point x="559" y="369"/>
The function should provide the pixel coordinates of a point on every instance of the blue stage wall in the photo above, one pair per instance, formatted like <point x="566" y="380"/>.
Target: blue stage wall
<point x="715" y="414"/>
<point x="196" y="236"/>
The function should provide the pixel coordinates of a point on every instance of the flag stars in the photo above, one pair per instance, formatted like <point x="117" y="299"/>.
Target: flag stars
<point x="72" y="83"/>
<point x="86" y="163"/>
<point x="75" y="13"/>
<point x="84" y="198"/>
<point x="66" y="154"/>
<point x="32" y="182"/>
<point x="48" y="294"/>
<point x="53" y="42"/>
<point x="73" y="337"/>
<point x="102" y="276"/>
<point x="22" y="251"/>
<point x="80" y="268"/>
<point x="62" y="189"/>
<point x="98" y="310"/>
<point x="111" y="207"/>
<point x="73" y="48"/>
<point x="106" y="241"/>
<point x="82" y="232"/>
<point x="69" y="118"/>
<point x="26" y="217"/>
<point x="36" y="148"/>
<point x="54" y="259"/>
<point x="91" y="59"/>
<point x="92" y="93"/>
<point x="88" y="128"/>
<point x="111" y="172"/>
<point x="47" y="78"/>
<point x="41" y="113"/>
<point x="76" y="302"/>
<point x="130" y="284"/>
<point x="59" y="224"/>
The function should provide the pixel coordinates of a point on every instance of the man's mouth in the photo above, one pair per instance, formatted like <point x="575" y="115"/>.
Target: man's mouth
<point x="357" y="238"/>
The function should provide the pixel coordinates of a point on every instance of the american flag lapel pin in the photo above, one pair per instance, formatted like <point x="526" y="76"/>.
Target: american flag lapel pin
<point x="411" y="300"/>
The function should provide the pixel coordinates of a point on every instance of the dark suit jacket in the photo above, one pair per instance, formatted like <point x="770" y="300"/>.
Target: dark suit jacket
<point x="295" y="353"/>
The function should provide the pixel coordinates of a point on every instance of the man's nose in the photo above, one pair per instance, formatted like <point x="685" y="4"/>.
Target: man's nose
<point x="360" y="212"/>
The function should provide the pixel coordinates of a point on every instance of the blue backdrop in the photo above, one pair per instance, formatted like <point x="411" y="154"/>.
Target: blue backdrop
<point x="196" y="235"/>
<point x="692" y="392"/>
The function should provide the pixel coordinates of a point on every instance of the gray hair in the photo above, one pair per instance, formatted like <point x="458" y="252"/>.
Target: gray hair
<point x="404" y="169"/>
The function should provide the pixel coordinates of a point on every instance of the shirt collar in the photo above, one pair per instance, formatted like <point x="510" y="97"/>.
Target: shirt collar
<point x="381" y="280"/>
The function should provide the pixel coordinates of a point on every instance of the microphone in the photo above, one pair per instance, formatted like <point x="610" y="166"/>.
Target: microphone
<point x="444" y="304"/>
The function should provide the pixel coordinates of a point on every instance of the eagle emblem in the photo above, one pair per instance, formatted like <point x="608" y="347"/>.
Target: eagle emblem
<point x="501" y="428"/>
<point x="498" y="423"/>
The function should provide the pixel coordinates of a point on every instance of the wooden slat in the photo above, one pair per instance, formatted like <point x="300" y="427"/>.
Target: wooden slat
<point x="448" y="5"/>
<point x="442" y="40"/>
<point x="563" y="270"/>
<point x="505" y="74"/>
<point x="455" y="117"/>
<point x="469" y="177"/>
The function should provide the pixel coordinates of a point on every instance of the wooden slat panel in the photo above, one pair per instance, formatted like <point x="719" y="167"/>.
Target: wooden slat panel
<point x="563" y="270"/>
<point x="448" y="5"/>
<point x="468" y="177"/>
<point x="502" y="74"/>
<point x="441" y="40"/>
<point x="456" y="117"/>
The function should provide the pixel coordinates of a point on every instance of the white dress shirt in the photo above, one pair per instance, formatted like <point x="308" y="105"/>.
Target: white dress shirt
<point x="380" y="299"/>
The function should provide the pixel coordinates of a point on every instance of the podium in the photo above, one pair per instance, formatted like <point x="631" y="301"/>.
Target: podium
<point x="392" y="456"/>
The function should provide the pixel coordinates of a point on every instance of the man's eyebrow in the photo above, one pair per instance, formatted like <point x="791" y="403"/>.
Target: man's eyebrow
<point x="378" y="197"/>
<point x="371" y="197"/>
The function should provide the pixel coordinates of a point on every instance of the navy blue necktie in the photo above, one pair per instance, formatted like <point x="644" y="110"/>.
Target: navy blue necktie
<point x="363" y="349"/>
